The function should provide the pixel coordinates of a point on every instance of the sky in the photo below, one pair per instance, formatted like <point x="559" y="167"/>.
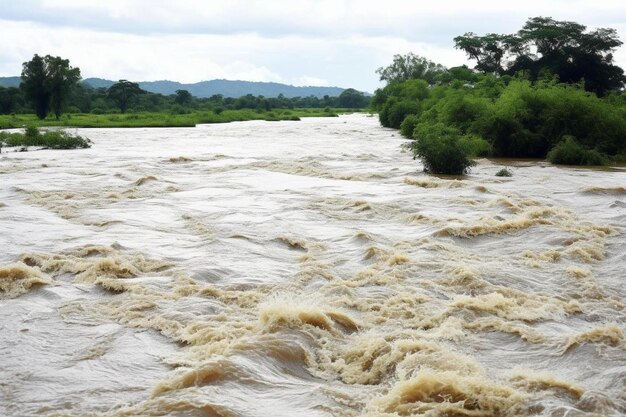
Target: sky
<point x="299" y="42"/>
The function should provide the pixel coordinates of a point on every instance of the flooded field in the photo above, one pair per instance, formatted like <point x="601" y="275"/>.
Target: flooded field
<point x="305" y="269"/>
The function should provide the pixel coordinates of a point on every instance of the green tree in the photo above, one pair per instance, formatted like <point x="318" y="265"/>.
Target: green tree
<point x="61" y="77"/>
<point x="123" y="92"/>
<point x="34" y="75"/>
<point x="11" y="100"/>
<point x="183" y="97"/>
<point x="352" y="99"/>
<point x="410" y="66"/>
<point x="47" y="82"/>
<point x="547" y="46"/>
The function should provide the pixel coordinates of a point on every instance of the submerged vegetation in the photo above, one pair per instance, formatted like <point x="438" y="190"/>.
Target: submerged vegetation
<point x="53" y="139"/>
<point x="458" y="113"/>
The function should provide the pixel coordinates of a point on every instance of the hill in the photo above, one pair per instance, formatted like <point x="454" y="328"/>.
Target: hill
<point x="227" y="88"/>
<point x="10" y="81"/>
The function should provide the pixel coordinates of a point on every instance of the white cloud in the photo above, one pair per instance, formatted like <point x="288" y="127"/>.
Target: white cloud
<point x="316" y="42"/>
<point x="309" y="81"/>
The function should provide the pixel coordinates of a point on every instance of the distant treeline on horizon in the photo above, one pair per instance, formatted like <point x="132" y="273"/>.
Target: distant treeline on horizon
<point x="91" y="95"/>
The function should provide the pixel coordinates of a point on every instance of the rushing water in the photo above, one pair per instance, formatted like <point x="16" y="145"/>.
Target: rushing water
<point x="305" y="269"/>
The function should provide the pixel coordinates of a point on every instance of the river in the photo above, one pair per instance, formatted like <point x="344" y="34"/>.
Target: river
<point x="305" y="269"/>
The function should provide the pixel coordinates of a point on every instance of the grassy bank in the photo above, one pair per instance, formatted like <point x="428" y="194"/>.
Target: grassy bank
<point x="163" y="119"/>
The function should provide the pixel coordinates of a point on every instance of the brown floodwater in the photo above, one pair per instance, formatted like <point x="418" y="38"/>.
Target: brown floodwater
<point x="305" y="269"/>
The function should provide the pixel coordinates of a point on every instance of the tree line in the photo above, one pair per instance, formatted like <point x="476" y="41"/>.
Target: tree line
<point x="550" y="90"/>
<point x="50" y="85"/>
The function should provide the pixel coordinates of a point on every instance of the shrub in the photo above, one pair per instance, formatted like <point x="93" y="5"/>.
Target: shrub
<point x="59" y="139"/>
<point x="570" y="152"/>
<point x="32" y="137"/>
<point x="475" y="145"/>
<point x="504" y="173"/>
<point x="56" y="139"/>
<point x="408" y="125"/>
<point x="394" y="112"/>
<point x="440" y="149"/>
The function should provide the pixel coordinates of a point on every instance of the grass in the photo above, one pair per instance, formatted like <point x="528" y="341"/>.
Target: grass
<point x="163" y="119"/>
<point x="55" y="139"/>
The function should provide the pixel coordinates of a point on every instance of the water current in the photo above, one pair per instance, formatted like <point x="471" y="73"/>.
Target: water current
<point x="305" y="269"/>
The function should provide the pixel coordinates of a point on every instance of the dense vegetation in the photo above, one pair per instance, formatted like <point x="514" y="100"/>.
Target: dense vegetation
<point x="457" y="113"/>
<point x="50" y="85"/>
<point x="53" y="139"/>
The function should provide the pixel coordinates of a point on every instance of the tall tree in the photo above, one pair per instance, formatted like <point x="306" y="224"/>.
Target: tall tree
<point x="61" y="77"/>
<point x="352" y="98"/>
<point x="545" y="45"/>
<point x="122" y="92"/>
<point x="47" y="82"/>
<point x="183" y="97"/>
<point x="34" y="76"/>
<point x="410" y="66"/>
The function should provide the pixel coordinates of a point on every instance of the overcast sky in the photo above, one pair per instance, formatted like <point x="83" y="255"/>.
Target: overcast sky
<point x="300" y="42"/>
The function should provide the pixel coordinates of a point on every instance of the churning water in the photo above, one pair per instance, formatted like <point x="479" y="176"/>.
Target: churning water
<point x="305" y="269"/>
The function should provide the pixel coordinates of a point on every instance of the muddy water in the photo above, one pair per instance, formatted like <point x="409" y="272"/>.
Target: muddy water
<point x="305" y="269"/>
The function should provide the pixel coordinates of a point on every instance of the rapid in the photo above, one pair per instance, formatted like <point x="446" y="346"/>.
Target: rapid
<point x="305" y="269"/>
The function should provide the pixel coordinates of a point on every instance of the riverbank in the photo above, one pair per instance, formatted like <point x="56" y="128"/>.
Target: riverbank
<point x="163" y="119"/>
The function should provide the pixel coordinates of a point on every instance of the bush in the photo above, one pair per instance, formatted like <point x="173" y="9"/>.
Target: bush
<point x="475" y="145"/>
<point x="408" y="125"/>
<point x="504" y="173"/>
<point x="59" y="139"/>
<point x="394" y="112"/>
<point x="440" y="149"/>
<point x="56" y="139"/>
<point x="570" y="152"/>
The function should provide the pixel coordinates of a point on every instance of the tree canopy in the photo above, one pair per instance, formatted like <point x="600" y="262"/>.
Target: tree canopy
<point x="47" y="82"/>
<point x="352" y="99"/>
<point x="410" y="66"/>
<point x="545" y="47"/>
<point x="122" y="92"/>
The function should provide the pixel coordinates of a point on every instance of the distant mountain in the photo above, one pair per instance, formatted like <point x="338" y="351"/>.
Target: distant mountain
<point x="10" y="81"/>
<point x="227" y="88"/>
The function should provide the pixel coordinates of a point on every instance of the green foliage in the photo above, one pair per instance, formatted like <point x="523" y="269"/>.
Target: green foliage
<point x="547" y="46"/>
<point x="440" y="149"/>
<point x="54" y="139"/>
<point x="165" y="118"/>
<point x="61" y="78"/>
<point x="394" y="111"/>
<point x="528" y="120"/>
<point x="47" y="83"/>
<point x="183" y="97"/>
<point x="410" y="66"/>
<point x="352" y="99"/>
<point x="408" y="125"/>
<point x="475" y="146"/>
<point x="123" y="92"/>
<point x="34" y="75"/>
<point x="504" y="173"/>
<point x="570" y="152"/>
<point x="508" y="117"/>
